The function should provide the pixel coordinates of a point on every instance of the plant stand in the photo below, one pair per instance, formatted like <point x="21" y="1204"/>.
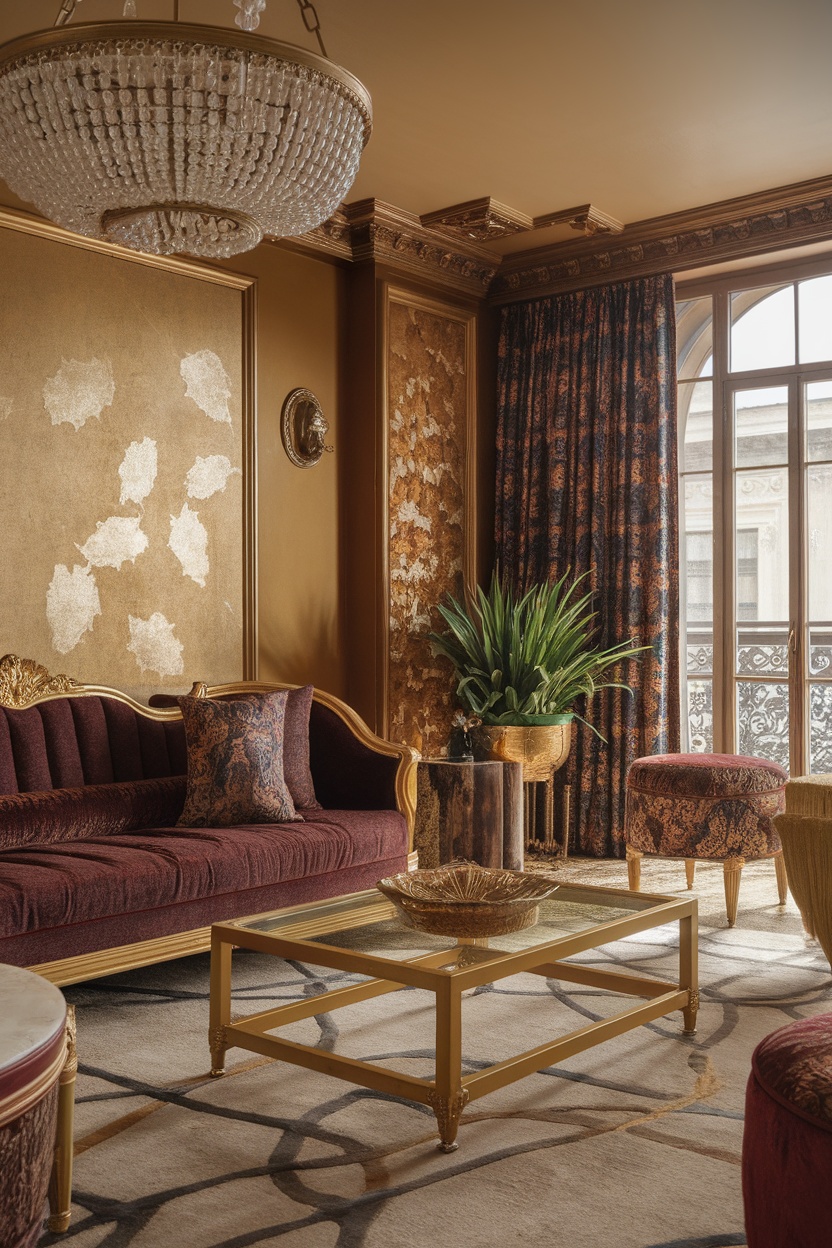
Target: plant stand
<point x="539" y="816"/>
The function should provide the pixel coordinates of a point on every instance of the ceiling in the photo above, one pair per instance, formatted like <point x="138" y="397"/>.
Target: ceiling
<point x="639" y="107"/>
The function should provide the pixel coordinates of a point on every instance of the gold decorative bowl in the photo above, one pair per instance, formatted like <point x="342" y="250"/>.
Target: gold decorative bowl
<point x="466" y="900"/>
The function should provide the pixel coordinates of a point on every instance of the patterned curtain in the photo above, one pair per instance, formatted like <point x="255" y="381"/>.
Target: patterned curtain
<point x="587" y="482"/>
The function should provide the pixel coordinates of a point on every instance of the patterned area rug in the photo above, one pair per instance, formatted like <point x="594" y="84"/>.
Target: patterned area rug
<point x="634" y="1144"/>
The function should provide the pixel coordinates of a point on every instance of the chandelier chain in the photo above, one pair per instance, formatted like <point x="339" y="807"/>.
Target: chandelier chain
<point x="307" y="11"/>
<point x="312" y="22"/>
<point x="65" y="12"/>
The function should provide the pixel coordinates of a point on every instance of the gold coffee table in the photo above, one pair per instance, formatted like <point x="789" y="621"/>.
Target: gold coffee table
<point x="574" y="919"/>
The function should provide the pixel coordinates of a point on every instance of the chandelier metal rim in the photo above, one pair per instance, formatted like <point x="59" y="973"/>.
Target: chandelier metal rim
<point x="66" y="37"/>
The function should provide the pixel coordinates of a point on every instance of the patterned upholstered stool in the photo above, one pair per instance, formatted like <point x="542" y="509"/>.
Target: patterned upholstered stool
<point x="714" y="807"/>
<point x="787" y="1144"/>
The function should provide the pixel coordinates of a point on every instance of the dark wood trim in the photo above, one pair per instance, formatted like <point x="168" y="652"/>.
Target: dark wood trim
<point x="372" y="230"/>
<point x="361" y="561"/>
<point x="733" y="229"/>
<point x="787" y="216"/>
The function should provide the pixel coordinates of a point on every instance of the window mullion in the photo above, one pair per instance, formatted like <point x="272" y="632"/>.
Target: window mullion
<point x="723" y="487"/>
<point x="798" y="692"/>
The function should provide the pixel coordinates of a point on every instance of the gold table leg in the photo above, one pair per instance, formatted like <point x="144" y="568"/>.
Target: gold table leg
<point x="60" y="1180"/>
<point x="689" y="968"/>
<point x="448" y="1097"/>
<point x="219" y="1015"/>
<point x="690" y="871"/>
<point x="448" y="1112"/>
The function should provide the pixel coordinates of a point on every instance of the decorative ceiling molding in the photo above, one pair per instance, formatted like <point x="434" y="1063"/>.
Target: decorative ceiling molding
<point x="751" y="225"/>
<point x="333" y="238"/>
<point x="372" y="230"/>
<point x="586" y="218"/>
<point x="478" y="219"/>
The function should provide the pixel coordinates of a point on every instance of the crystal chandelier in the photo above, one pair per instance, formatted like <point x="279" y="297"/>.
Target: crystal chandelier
<point x="167" y="137"/>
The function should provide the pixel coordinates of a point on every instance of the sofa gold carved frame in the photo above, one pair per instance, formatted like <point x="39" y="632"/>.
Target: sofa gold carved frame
<point x="24" y="683"/>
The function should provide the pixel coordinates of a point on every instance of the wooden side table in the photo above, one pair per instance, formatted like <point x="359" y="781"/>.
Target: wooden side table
<point x="472" y="811"/>
<point x="37" y="1077"/>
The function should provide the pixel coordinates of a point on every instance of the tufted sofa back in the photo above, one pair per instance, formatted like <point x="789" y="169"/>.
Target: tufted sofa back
<point x="68" y="742"/>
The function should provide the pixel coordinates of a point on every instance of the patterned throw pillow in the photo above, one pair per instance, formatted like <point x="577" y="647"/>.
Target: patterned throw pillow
<point x="235" y="762"/>
<point x="296" y="748"/>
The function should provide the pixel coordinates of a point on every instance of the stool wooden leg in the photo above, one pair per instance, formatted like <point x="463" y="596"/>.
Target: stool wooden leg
<point x="690" y="867"/>
<point x="732" y="871"/>
<point x="60" y="1181"/>
<point x="633" y="869"/>
<point x="782" y="881"/>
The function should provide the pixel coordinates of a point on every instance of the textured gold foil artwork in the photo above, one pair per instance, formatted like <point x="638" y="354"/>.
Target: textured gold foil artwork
<point x="427" y="414"/>
<point x="123" y="436"/>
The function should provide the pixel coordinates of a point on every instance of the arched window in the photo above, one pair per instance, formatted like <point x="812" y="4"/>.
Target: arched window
<point x="755" y="413"/>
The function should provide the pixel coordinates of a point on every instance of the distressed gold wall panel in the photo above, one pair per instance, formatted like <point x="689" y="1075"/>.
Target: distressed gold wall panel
<point x="430" y="397"/>
<point x="125" y="447"/>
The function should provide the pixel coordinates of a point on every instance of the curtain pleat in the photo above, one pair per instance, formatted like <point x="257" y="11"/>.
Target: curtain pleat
<point x="587" y="482"/>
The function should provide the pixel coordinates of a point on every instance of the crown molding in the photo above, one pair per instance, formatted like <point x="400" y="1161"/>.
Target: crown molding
<point x="586" y="218"/>
<point x="479" y="219"/>
<point x="751" y="225"/>
<point x="370" y="230"/>
<point x="333" y="238"/>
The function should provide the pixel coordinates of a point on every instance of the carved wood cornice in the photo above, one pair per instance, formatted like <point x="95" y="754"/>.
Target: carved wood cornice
<point x="373" y="230"/>
<point x="479" y="219"/>
<point x="751" y="225"/>
<point x="586" y="218"/>
<point x="333" y="238"/>
<point x="392" y="236"/>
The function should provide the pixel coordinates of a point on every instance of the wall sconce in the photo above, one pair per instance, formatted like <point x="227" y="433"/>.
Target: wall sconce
<point x="303" y="428"/>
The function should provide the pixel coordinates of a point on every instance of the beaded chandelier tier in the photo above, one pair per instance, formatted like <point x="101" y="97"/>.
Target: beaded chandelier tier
<point x="166" y="137"/>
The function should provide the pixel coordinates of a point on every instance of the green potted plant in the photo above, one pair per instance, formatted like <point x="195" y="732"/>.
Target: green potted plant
<point x="521" y="662"/>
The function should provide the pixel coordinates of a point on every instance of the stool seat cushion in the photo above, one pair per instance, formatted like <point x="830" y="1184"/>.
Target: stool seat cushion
<point x="709" y="806"/>
<point x="794" y="1066"/>
<point x="705" y="775"/>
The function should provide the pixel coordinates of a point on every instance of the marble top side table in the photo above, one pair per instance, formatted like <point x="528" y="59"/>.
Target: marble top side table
<point x="37" y="1077"/>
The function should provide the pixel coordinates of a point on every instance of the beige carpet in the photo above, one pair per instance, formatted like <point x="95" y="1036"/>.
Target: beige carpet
<point x="635" y="1144"/>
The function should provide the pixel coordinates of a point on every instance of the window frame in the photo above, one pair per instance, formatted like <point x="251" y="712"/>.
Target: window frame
<point x="719" y="287"/>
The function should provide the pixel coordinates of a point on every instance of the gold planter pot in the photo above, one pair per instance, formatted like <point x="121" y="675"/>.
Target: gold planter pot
<point x="542" y="749"/>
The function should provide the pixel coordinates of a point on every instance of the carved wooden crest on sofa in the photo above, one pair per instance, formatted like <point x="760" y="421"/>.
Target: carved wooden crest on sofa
<point x="23" y="682"/>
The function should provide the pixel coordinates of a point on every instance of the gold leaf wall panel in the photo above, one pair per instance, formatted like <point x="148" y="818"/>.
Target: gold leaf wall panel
<point x="429" y="449"/>
<point x="125" y="442"/>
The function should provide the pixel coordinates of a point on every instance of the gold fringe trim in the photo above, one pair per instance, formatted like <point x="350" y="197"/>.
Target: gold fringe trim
<point x="810" y="796"/>
<point x="807" y="853"/>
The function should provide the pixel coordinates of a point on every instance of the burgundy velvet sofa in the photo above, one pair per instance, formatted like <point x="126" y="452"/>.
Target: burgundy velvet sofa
<point x="94" y="875"/>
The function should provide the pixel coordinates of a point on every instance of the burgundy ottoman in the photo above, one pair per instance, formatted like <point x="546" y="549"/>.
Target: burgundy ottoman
<point x="787" y="1144"/>
<point x="715" y="807"/>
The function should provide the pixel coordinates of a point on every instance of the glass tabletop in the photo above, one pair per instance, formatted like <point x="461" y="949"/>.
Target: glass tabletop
<point x="367" y="921"/>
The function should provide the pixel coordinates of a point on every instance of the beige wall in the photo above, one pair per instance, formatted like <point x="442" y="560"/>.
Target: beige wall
<point x="300" y="635"/>
<point x="299" y="621"/>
